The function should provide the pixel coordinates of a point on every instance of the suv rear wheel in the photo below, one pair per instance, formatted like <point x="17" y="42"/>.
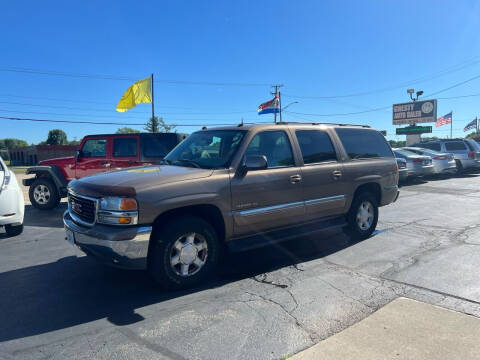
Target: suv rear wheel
<point x="185" y="253"/>
<point x="43" y="194"/>
<point x="363" y="216"/>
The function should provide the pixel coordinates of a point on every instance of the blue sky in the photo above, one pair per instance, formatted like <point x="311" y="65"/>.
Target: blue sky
<point x="315" y="48"/>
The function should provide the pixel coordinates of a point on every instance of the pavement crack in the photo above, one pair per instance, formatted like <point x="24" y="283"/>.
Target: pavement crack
<point x="311" y="334"/>
<point x="264" y="280"/>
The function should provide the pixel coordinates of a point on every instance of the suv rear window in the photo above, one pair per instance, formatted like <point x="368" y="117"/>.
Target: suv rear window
<point x="157" y="146"/>
<point x="455" y="145"/>
<point x="125" y="147"/>
<point x="316" y="146"/>
<point x="431" y="146"/>
<point x="363" y="144"/>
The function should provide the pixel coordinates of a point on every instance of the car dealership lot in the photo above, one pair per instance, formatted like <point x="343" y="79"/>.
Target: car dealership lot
<point x="266" y="303"/>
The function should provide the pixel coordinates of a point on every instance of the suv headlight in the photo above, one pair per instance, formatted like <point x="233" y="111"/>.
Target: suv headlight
<point x="118" y="211"/>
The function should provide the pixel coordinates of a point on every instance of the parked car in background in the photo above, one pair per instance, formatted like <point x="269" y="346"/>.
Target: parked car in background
<point x="443" y="163"/>
<point x="97" y="153"/>
<point x="12" y="206"/>
<point x="417" y="165"/>
<point x="238" y="187"/>
<point x="402" y="169"/>
<point x="465" y="151"/>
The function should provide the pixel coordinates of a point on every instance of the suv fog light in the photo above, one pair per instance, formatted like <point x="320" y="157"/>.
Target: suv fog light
<point x="117" y="219"/>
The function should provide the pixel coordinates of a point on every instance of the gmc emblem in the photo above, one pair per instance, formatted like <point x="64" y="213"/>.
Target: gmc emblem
<point x="76" y="207"/>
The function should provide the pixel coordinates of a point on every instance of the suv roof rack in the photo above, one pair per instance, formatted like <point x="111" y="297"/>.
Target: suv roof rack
<point x="321" y="123"/>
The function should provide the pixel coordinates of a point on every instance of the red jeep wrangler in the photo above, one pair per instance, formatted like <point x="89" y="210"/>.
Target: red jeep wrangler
<point x="97" y="153"/>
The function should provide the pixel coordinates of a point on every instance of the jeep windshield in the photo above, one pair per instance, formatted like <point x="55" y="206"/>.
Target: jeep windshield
<point x="210" y="149"/>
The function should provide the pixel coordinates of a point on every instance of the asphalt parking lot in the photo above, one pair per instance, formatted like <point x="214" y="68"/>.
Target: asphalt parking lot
<point x="268" y="303"/>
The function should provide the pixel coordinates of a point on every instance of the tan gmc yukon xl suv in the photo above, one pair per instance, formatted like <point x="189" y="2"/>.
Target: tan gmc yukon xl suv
<point x="236" y="187"/>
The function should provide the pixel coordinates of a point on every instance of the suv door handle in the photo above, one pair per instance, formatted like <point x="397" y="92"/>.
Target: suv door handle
<point x="337" y="174"/>
<point x="295" y="179"/>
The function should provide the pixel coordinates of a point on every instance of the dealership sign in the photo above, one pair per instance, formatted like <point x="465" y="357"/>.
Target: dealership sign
<point x="415" y="112"/>
<point x="411" y="130"/>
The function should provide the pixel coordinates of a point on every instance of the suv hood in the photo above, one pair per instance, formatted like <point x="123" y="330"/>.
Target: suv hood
<point x="58" y="161"/>
<point x="131" y="181"/>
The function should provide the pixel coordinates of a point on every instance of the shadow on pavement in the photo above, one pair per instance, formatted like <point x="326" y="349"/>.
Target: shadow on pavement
<point x="44" y="218"/>
<point x="73" y="291"/>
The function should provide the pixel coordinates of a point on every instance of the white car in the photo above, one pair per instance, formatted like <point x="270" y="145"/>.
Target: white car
<point x="12" y="204"/>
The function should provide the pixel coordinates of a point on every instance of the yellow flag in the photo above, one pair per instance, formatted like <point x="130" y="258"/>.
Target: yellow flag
<point x="138" y="93"/>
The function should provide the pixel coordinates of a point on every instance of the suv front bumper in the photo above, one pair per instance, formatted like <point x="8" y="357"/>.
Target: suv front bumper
<point x="125" y="247"/>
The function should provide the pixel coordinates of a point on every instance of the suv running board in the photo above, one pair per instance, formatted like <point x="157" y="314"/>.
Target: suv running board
<point x="276" y="236"/>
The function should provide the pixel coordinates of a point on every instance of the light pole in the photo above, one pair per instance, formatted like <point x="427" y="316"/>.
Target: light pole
<point x="411" y="91"/>
<point x="295" y="102"/>
<point x="281" y="109"/>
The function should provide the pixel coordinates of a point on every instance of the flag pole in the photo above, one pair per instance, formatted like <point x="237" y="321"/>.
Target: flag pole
<point x="451" y="126"/>
<point x="153" y="108"/>
<point x="280" y="103"/>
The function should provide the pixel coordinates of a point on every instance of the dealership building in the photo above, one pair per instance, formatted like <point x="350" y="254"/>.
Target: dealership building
<point x="31" y="155"/>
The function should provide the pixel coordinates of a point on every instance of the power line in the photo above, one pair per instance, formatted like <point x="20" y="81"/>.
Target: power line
<point x="111" y="111"/>
<point x="97" y="116"/>
<point x="443" y="72"/>
<point x="389" y="106"/>
<point x="124" y="78"/>
<point x="115" y="123"/>
<point x="82" y="101"/>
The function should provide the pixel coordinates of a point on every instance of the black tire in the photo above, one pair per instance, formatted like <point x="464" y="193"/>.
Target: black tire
<point x="162" y="251"/>
<point x="14" y="230"/>
<point x="355" y="230"/>
<point x="460" y="169"/>
<point x="48" y="201"/>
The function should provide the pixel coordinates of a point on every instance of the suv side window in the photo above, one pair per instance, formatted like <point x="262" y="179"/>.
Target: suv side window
<point x="275" y="146"/>
<point x="94" y="148"/>
<point x="364" y="144"/>
<point x="316" y="146"/>
<point x="123" y="147"/>
<point x="455" y="145"/>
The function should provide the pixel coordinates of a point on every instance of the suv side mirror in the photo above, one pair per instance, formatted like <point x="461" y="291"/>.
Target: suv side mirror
<point x="255" y="162"/>
<point x="78" y="154"/>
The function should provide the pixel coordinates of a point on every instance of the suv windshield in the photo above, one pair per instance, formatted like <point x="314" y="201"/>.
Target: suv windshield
<point x="206" y="149"/>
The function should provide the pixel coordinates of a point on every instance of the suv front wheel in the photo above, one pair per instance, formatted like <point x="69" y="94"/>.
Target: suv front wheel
<point x="185" y="252"/>
<point x="363" y="216"/>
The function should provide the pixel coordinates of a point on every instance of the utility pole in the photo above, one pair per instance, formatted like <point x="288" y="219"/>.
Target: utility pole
<point x="276" y="87"/>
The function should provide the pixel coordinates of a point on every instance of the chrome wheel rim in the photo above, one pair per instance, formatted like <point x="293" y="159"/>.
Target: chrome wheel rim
<point x="365" y="215"/>
<point x="189" y="254"/>
<point x="41" y="194"/>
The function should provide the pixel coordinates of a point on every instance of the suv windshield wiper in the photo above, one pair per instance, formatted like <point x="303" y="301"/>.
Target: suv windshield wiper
<point x="186" y="161"/>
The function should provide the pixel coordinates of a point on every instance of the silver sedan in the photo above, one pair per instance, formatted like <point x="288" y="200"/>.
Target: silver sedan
<point x="417" y="165"/>
<point x="443" y="163"/>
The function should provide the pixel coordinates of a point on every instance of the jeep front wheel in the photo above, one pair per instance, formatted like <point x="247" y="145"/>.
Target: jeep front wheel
<point x="43" y="194"/>
<point x="363" y="216"/>
<point x="184" y="253"/>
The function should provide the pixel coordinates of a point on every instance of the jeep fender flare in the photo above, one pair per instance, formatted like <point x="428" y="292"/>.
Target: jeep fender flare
<point x="48" y="171"/>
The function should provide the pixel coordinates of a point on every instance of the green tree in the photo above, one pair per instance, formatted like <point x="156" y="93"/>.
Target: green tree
<point x="10" y="143"/>
<point x="57" y="137"/>
<point x="157" y="124"/>
<point x="126" y="130"/>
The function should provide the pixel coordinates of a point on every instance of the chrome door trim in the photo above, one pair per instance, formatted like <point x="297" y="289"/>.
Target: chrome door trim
<point x="324" y="200"/>
<point x="268" y="209"/>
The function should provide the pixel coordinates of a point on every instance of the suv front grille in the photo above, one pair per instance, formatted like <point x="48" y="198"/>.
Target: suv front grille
<point x="82" y="208"/>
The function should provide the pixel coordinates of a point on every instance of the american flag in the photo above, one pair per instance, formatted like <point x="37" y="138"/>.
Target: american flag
<point x="444" y="120"/>
<point x="471" y="125"/>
